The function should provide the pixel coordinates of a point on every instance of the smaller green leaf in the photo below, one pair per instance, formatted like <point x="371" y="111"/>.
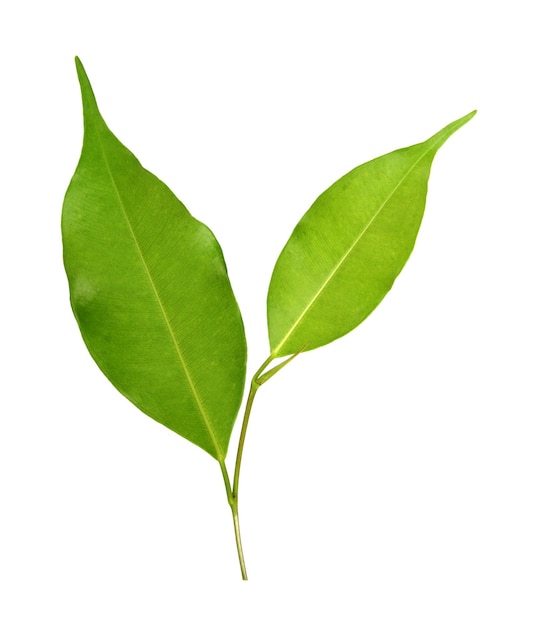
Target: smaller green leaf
<point x="345" y="253"/>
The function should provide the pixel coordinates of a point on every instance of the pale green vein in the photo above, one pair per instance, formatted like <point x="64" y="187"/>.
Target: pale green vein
<point x="336" y="268"/>
<point x="198" y="400"/>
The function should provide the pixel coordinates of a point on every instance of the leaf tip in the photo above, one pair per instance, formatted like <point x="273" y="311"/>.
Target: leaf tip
<point x="463" y="120"/>
<point x="470" y="115"/>
<point x="89" y="102"/>
<point x="439" y="138"/>
<point x="81" y="73"/>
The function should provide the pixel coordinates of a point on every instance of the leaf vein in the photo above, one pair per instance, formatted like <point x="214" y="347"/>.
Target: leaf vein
<point x="190" y="381"/>
<point x="334" y="271"/>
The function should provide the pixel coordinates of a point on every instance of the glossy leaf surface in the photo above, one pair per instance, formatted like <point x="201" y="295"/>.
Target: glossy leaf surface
<point x="345" y="253"/>
<point x="150" y="291"/>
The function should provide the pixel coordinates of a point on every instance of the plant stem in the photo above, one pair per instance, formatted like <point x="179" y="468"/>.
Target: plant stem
<point x="254" y="386"/>
<point x="232" y="492"/>
<point x="232" y="501"/>
<point x="237" y="531"/>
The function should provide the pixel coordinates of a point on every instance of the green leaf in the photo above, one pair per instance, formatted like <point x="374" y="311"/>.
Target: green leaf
<point x="150" y="291"/>
<point x="346" y="251"/>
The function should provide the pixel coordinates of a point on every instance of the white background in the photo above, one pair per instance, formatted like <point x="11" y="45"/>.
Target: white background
<point x="389" y="478"/>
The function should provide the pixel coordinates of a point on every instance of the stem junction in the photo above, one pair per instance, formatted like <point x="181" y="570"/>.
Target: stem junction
<point x="232" y="491"/>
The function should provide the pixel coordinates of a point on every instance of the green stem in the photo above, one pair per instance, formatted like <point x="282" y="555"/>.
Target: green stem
<point x="232" y="501"/>
<point x="232" y="492"/>
<point x="254" y="386"/>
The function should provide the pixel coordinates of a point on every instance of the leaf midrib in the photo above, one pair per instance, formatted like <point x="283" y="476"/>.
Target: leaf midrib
<point x="192" y="386"/>
<point x="350" y="250"/>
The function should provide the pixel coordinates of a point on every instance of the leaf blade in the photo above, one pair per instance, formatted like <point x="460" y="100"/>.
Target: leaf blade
<point x="345" y="253"/>
<point x="150" y="291"/>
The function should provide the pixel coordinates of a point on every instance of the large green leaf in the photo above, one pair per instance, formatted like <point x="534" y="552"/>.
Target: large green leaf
<point x="150" y="291"/>
<point x="344" y="254"/>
